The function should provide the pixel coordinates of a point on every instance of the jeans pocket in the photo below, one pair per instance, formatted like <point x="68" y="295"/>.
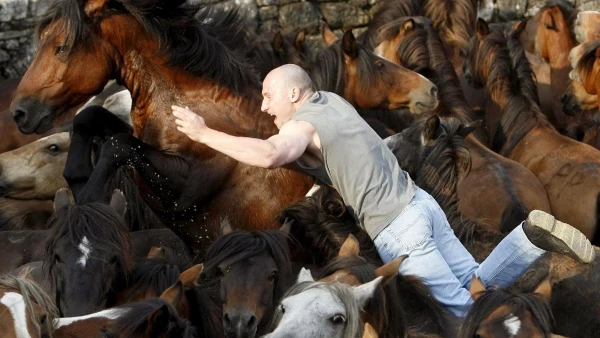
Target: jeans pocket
<point x="413" y="234"/>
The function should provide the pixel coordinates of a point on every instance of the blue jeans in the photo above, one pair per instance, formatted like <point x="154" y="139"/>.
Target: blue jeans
<point x="422" y="232"/>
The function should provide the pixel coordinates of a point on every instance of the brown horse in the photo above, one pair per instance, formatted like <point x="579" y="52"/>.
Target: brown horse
<point x="34" y="171"/>
<point x="24" y="214"/>
<point x="413" y="43"/>
<point x="193" y="64"/>
<point x="568" y="170"/>
<point x="498" y="313"/>
<point x="552" y="39"/>
<point x="584" y="127"/>
<point x="586" y="26"/>
<point x="369" y="81"/>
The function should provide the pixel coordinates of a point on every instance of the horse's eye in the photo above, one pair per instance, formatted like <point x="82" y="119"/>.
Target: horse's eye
<point x="60" y="50"/>
<point x="273" y="276"/>
<point x="338" y="319"/>
<point x="114" y="260"/>
<point x="282" y="309"/>
<point x="379" y="64"/>
<point x="57" y="259"/>
<point x="53" y="149"/>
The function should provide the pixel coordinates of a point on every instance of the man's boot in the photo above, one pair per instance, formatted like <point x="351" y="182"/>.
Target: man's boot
<point x="550" y="234"/>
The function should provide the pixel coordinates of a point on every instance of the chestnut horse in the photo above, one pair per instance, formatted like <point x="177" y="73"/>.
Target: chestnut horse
<point x="189" y="184"/>
<point x="587" y="71"/>
<point x="413" y="43"/>
<point x="551" y="36"/>
<point x="568" y="170"/>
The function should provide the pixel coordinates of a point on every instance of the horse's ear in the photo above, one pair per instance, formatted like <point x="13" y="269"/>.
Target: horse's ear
<point x="477" y="288"/>
<point x="118" y="202"/>
<point x="349" y="44"/>
<point x="467" y="128"/>
<point x="299" y="40"/>
<point x="159" y="321"/>
<point x="93" y="8"/>
<point x="156" y="252"/>
<point x="173" y="294"/>
<point x="287" y="226"/>
<point x="226" y="226"/>
<point x="364" y="292"/>
<point x="278" y="43"/>
<point x="63" y="198"/>
<point x="328" y="36"/>
<point x="390" y="270"/>
<point x="305" y="276"/>
<point x="350" y="248"/>
<point x="430" y="130"/>
<point x="547" y="19"/>
<point x="544" y="289"/>
<point x="482" y="28"/>
<point x="408" y="26"/>
<point x="191" y="275"/>
<point x="519" y="27"/>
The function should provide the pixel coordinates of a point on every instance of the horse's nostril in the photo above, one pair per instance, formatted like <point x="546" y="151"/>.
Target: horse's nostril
<point x="18" y="115"/>
<point x="434" y="91"/>
<point x="564" y="98"/>
<point x="251" y="322"/>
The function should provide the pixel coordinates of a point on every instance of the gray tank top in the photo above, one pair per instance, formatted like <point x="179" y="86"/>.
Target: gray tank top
<point x="356" y="162"/>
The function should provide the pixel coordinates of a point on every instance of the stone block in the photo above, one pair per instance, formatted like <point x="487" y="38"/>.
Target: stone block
<point x="301" y="15"/>
<point x="341" y="14"/>
<point x="262" y="3"/>
<point x="268" y="13"/>
<point x="13" y="10"/>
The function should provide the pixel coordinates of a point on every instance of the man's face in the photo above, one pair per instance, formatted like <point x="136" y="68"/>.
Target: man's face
<point x="277" y="100"/>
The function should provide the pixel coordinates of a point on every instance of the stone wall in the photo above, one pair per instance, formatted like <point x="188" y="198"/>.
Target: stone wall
<point x="17" y="20"/>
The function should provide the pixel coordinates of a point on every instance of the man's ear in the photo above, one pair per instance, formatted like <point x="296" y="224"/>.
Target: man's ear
<point x="295" y="94"/>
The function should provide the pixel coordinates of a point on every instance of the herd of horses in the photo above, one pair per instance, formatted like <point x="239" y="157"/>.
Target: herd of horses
<point x="117" y="229"/>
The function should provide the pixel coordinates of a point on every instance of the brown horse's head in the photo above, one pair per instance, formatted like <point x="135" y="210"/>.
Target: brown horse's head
<point x="554" y="37"/>
<point x="291" y="49"/>
<point x="252" y="270"/>
<point x="575" y="99"/>
<point x="588" y="66"/>
<point x="67" y="68"/>
<point x="34" y="171"/>
<point x="498" y="313"/>
<point x="369" y="81"/>
<point x="587" y="26"/>
<point x="584" y="127"/>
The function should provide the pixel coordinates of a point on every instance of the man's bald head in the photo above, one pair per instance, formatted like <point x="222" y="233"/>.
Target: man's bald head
<point x="285" y="89"/>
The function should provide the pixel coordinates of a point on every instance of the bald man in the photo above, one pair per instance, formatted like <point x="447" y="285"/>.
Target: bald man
<point x="325" y="135"/>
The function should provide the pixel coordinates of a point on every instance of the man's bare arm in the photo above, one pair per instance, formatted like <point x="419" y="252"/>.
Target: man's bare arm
<point x="285" y="147"/>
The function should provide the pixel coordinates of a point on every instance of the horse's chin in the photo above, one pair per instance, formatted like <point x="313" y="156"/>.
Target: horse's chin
<point x="420" y="108"/>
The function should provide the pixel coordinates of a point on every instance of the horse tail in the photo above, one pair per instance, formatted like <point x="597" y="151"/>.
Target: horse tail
<point x="515" y="213"/>
<point x="596" y="237"/>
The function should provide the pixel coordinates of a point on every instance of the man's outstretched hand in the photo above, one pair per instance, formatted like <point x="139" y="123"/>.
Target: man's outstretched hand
<point x="189" y="123"/>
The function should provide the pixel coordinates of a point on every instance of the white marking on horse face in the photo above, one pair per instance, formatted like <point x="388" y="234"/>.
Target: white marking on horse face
<point x="512" y="325"/>
<point x="16" y="305"/>
<point x="108" y="314"/>
<point x="85" y="248"/>
<point x="313" y="190"/>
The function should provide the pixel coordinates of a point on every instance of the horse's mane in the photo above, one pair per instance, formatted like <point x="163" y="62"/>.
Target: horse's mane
<point x="134" y="320"/>
<point x="342" y="292"/>
<point x="239" y="245"/>
<point x="203" y="48"/>
<point x="31" y="292"/>
<point x="322" y="223"/>
<point x="585" y="64"/>
<point x="159" y="273"/>
<point x="441" y="168"/>
<point x="328" y="71"/>
<point x="493" y="298"/>
<point x="509" y="75"/>
<point x="569" y="12"/>
<point x="389" y="11"/>
<point x="100" y="224"/>
<point x="453" y="19"/>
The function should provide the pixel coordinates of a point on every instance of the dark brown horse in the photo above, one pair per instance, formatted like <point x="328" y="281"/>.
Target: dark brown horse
<point x="193" y="64"/>
<point x="369" y="81"/>
<point x="568" y="170"/>
<point x="413" y="43"/>
<point x="584" y="127"/>
<point x="498" y="313"/>
<point x="251" y="270"/>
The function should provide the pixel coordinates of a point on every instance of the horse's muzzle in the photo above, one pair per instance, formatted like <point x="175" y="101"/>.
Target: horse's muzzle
<point x="31" y="116"/>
